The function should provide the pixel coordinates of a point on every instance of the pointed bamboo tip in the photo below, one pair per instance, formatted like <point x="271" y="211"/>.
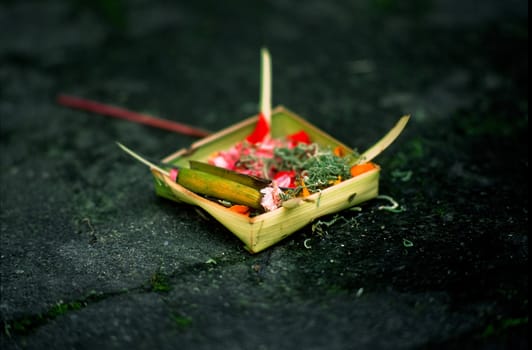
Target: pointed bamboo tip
<point x="405" y="118"/>
<point x="141" y="159"/>
<point x="121" y="145"/>
<point x="384" y="142"/>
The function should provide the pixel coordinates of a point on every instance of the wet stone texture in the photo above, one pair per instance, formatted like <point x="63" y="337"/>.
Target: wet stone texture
<point x="91" y="258"/>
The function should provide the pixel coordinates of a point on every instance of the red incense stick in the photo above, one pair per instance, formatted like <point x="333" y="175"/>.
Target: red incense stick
<point x="122" y="113"/>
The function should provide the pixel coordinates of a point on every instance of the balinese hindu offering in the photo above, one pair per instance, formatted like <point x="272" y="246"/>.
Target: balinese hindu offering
<point x="271" y="174"/>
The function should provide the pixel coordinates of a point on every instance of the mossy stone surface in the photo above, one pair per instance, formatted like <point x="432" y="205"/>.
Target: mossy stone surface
<point x="91" y="257"/>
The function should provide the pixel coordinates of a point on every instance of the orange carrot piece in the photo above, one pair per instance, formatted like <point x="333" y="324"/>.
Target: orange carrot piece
<point x="305" y="191"/>
<point x="338" y="151"/>
<point x="240" y="209"/>
<point x="361" y="168"/>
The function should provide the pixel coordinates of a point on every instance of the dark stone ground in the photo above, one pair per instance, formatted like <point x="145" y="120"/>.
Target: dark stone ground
<point x="91" y="258"/>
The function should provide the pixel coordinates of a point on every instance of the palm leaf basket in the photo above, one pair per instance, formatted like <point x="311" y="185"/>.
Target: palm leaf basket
<point x="262" y="231"/>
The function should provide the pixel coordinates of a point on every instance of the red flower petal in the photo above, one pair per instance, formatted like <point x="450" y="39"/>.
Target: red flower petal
<point x="261" y="130"/>
<point x="299" y="137"/>
<point x="291" y="174"/>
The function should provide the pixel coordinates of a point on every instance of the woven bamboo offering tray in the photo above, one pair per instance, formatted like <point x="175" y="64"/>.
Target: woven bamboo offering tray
<point x="263" y="203"/>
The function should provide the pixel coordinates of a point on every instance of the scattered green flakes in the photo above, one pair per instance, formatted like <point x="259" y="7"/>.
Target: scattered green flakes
<point x="402" y="175"/>
<point x="512" y="322"/>
<point x="319" y="226"/>
<point x="496" y="329"/>
<point x="318" y="201"/>
<point x="286" y="195"/>
<point x="320" y="168"/>
<point x="21" y="325"/>
<point x="182" y="321"/>
<point x="26" y="324"/>
<point x="407" y="243"/>
<point x="416" y="148"/>
<point x="159" y="282"/>
<point x="393" y="207"/>
<point x="286" y="158"/>
<point x="324" y="169"/>
<point x="399" y="210"/>
<point x="488" y="331"/>
<point x="290" y="193"/>
<point x="318" y="229"/>
<point x="62" y="308"/>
